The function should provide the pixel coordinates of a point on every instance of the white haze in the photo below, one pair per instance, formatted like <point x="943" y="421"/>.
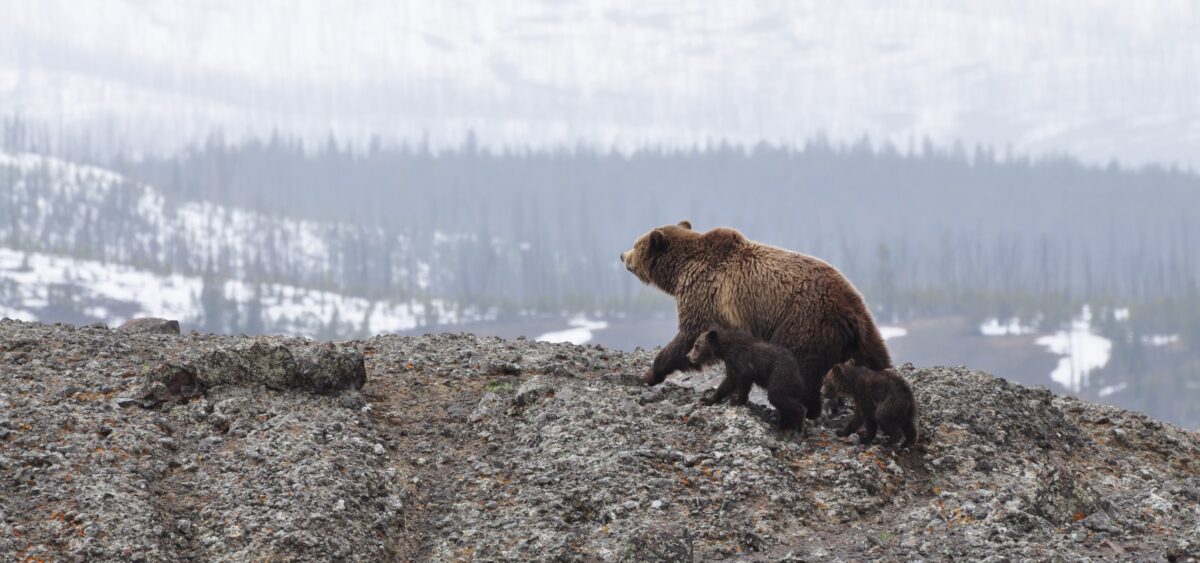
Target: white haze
<point x="1097" y="80"/>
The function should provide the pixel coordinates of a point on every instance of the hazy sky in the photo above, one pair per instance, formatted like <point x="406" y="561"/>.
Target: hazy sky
<point x="1095" y="79"/>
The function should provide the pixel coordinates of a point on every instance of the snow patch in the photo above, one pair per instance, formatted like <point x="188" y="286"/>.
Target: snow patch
<point x="579" y="333"/>
<point x="1110" y="389"/>
<point x="892" y="332"/>
<point x="993" y="327"/>
<point x="1160" y="339"/>
<point x="1082" y="351"/>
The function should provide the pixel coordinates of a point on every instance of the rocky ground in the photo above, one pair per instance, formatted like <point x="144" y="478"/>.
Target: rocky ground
<point x="136" y="445"/>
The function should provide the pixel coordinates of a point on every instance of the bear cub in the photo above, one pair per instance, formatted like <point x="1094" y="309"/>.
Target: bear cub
<point x="882" y="400"/>
<point x="750" y="361"/>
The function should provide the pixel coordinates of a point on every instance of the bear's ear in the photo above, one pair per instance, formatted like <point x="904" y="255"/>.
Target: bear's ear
<point x="658" y="240"/>
<point x="711" y="336"/>
<point x="850" y="362"/>
<point x="685" y="224"/>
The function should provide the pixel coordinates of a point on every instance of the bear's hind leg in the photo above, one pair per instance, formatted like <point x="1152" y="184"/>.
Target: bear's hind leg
<point x="791" y="410"/>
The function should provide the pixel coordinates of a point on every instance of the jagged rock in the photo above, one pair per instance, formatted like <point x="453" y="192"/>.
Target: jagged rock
<point x="531" y="391"/>
<point x="150" y="325"/>
<point x="322" y="369"/>
<point x="1100" y="522"/>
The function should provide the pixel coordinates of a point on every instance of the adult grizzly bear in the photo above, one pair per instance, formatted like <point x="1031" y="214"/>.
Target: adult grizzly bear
<point x="795" y="301"/>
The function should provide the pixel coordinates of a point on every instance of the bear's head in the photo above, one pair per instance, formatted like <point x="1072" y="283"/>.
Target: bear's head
<point x="837" y="381"/>
<point x="704" y="351"/>
<point x="658" y="256"/>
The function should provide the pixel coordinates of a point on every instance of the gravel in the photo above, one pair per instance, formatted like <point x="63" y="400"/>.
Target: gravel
<point x="123" y="445"/>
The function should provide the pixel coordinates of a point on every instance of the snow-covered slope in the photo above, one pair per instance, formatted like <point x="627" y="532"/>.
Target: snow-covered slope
<point x="61" y="207"/>
<point x="35" y="286"/>
<point x="1095" y="79"/>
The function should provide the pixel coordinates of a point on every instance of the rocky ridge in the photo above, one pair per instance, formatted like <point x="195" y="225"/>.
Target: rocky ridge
<point x="127" y="445"/>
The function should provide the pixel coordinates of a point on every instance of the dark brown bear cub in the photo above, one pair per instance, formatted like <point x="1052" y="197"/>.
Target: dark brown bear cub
<point x="750" y="361"/>
<point x="882" y="399"/>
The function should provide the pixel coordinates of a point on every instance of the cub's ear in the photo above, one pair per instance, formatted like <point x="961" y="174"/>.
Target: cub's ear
<point x="658" y="240"/>
<point x="711" y="336"/>
<point x="686" y="224"/>
<point x="835" y="371"/>
<point x="850" y="362"/>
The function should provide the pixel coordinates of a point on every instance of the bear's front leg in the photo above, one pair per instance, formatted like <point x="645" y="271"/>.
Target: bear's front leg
<point x="852" y="426"/>
<point x="672" y="358"/>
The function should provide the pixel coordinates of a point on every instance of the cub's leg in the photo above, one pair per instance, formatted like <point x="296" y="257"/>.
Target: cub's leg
<point x="791" y="410"/>
<point x="743" y="392"/>
<point x="723" y="390"/>
<point x="910" y="433"/>
<point x="872" y="428"/>
<point x="852" y="426"/>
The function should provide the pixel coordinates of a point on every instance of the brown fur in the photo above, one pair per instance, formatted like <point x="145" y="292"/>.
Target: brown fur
<point x="748" y="362"/>
<point x="882" y="400"/>
<point x="792" y="300"/>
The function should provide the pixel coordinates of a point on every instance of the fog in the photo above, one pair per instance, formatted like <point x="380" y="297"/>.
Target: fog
<point x="1098" y="81"/>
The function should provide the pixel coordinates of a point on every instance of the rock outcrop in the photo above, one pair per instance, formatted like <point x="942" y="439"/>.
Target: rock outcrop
<point x="150" y="325"/>
<point x="125" y="446"/>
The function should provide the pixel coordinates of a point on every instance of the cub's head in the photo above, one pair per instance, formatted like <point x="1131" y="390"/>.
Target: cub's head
<point x="656" y="256"/>
<point x="704" y="351"/>
<point x="837" y="380"/>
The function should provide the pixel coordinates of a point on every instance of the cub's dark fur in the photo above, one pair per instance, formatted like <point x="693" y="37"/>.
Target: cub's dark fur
<point x="750" y="361"/>
<point x="882" y="399"/>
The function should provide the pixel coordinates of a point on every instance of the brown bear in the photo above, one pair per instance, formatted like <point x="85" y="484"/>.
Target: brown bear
<point x="882" y="400"/>
<point x="748" y="362"/>
<point x="792" y="300"/>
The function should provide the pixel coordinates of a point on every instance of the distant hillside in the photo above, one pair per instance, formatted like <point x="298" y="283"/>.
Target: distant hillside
<point x="84" y="244"/>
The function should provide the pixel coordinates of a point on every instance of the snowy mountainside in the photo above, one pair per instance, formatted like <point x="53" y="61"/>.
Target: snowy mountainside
<point x="83" y="244"/>
<point x="59" y="206"/>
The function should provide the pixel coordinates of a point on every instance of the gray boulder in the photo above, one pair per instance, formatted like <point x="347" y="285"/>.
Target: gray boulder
<point x="150" y="325"/>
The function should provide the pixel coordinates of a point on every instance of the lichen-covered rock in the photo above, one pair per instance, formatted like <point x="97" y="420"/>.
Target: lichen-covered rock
<point x="122" y="446"/>
<point x="150" y="325"/>
<point x="229" y="469"/>
<point x="279" y="365"/>
<point x="665" y="544"/>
